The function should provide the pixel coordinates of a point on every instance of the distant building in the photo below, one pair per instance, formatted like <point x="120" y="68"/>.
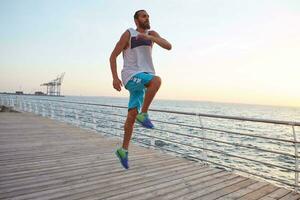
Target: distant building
<point x="39" y="93"/>
<point x="19" y="92"/>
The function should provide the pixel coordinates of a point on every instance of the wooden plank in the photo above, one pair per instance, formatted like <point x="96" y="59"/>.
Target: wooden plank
<point x="228" y="189"/>
<point x="61" y="168"/>
<point x="243" y="191"/>
<point x="291" y="196"/>
<point x="124" y="185"/>
<point x="198" y="194"/>
<point x="98" y="184"/>
<point x="263" y="191"/>
<point x="153" y="186"/>
<point x="69" y="174"/>
<point x="157" y="191"/>
<point x="42" y="159"/>
<point x="187" y="186"/>
<point x="277" y="194"/>
<point x="77" y="161"/>
<point x="180" y="188"/>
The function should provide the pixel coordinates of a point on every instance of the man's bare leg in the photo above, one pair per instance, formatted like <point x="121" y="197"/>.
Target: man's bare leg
<point x="128" y="128"/>
<point x="152" y="89"/>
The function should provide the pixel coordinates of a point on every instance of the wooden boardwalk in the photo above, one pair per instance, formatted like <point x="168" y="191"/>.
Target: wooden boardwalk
<point x="44" y="159"/>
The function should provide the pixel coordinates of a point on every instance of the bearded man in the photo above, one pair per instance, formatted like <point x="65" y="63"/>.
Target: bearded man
<point x="138" y="75"/>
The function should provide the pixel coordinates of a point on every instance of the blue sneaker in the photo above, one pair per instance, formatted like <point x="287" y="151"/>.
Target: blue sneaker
<point x="144" y="120"/>
<point x="122" y="154"/>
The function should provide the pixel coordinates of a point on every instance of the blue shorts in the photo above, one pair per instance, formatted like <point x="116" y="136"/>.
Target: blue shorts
<point x="137" y="87"/>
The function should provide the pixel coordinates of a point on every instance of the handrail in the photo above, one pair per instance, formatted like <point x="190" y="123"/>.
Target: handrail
<point x="216" y="164"/>
<point x="214" y="140"/>
<point x="212" y="129"/>
<point x="291" y="123"/>
<point x="228" y="154"/>
<point x="38" y="106"/>
<point x="192" y="126"/>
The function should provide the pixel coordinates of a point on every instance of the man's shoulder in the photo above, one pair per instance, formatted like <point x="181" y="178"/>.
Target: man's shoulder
<point x="152" y="32"/>
<point x="131" y="30"/>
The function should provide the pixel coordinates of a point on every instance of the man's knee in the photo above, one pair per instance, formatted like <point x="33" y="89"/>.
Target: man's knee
<point x="158" y="80"/>
<point x="131" y="116"/>
<point x="155" y="82"/>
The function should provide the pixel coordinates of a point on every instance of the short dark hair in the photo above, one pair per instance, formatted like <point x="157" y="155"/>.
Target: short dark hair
<point x="136" y="14"/>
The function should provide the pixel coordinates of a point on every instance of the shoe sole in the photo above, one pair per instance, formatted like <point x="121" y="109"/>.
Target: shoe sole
<point x="118" y="155"/>
<point x="141" y="123"/>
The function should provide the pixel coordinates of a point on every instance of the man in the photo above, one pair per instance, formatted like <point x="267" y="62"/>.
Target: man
<point x="138" y="75"/>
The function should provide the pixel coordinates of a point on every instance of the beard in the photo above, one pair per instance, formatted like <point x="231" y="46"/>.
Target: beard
<point x="145" y="25"/>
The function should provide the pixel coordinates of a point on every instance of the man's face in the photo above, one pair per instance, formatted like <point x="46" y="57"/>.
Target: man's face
<point x="143" y="20"/>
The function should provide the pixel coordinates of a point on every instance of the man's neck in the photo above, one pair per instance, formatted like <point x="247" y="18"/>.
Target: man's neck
<point x="141" y="30"/>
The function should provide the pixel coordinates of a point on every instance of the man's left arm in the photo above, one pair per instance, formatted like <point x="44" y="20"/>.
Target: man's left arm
<point x="155" y="37"/>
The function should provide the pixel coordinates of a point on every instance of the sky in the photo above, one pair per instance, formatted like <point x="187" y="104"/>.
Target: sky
<point x="238" y="51"/>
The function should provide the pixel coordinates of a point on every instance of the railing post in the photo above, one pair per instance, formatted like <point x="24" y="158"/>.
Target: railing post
<point x="13" y="103"/>
<point x="112" y="125"/>
<point x="152" y="143"/>
<point x="94" y="121"/>
<point x="30" y="106"/>
<point x="296" y="160"/>
<point x="47" y="108"/>
<point x="62" y="112"/>
<point x="25" y="106"/>
<point x="16" y="104"/>
<point x="203" y="142"/>
<point x="6" y="101"/>
<point x="51" y="107"/>
<point x="43" y="111"/>
<point x="36" y="111"/>
<point x="21" y="104"/>
<point x="33" y="107"/>
<point x="36" y="108"/>
<point x="10" y="102"/>
<point x="76" y="117"/>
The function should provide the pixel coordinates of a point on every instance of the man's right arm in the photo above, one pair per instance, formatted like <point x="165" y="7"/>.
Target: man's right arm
<point x="120" y="46"/>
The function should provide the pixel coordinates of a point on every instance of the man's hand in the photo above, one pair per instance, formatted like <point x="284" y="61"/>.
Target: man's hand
<point x="117" y="83"/>
<point x="120" y="46"/>
<point x="155" y="37"/>
<point x="144" y="36"/>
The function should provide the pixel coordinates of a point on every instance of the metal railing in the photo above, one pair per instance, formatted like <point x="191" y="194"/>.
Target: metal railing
<point x="196" y="140"/>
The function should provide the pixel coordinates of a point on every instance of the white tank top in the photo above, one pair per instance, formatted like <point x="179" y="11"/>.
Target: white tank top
<point x="137" y="57"/>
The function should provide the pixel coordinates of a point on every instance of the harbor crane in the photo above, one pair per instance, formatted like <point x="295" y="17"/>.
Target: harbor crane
<point x="53" y="87"/>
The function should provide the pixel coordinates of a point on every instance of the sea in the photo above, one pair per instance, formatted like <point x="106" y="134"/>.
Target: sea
<point x="255" y="149"/>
